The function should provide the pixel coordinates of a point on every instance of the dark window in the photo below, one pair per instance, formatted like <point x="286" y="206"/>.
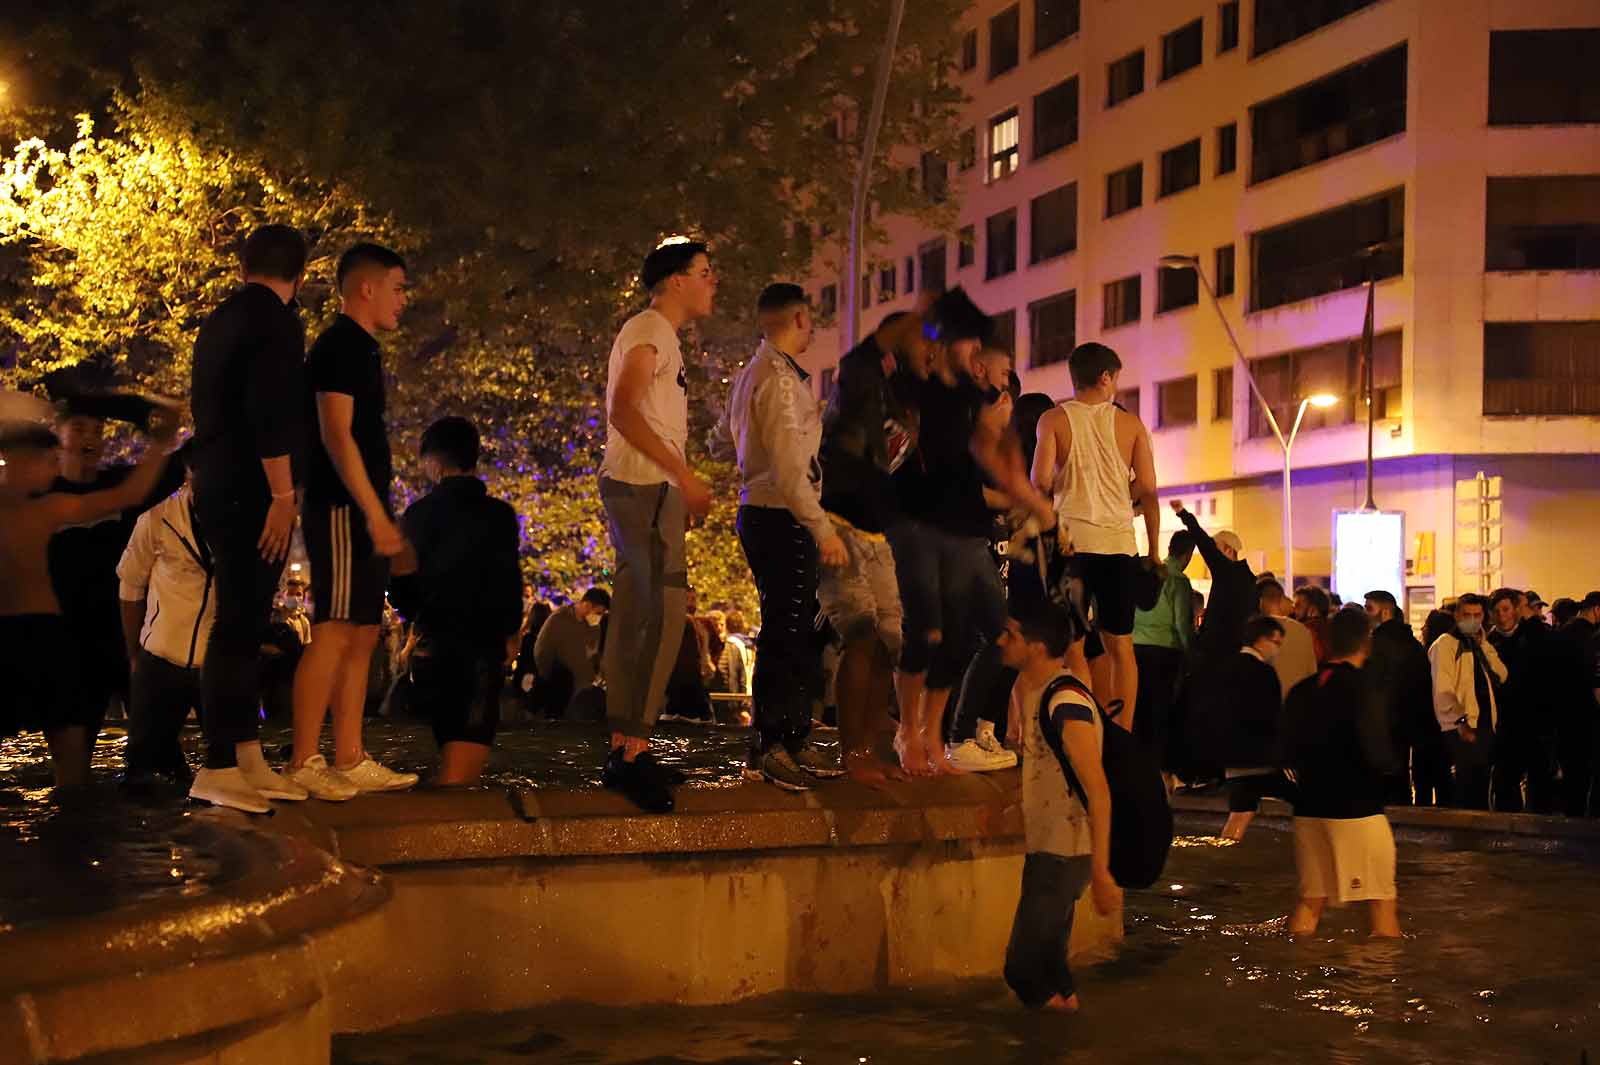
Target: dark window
<point x="1000" y="244"/>
<point x="1052" y="329"/>
<point x="1128" y="400"/>
<point x="1227" y="27"/>
<point x="1543" y="223"/>
<point x="1544" y="76"/>
<point x="866" y="290"/>
<point x="967" y="150"/>
<point x="1334" y="368"/>
<point x="1055" y="118"/>
<point x="1121" y="302"/>
<point x="911" y="274"/>
<point x="1125" y="78"/>
<point x="1180" y="49"/>
<point x="886" y="284"/>
<point x="1177" y="288"/>
<point x="1003" y="330"/>
<point x="1541" y="368"/>
<point x="1053" y="20"/>
<point x="935" y="177"/>
<point x="1280" y="21"/>
<point x="1329" y="251"/>
<point x="1005" y="40"/>
<point x="1222" y="395"/>
<point x="931" y="260"/>
<point x="825" y="382"/>
<point x="966" y="247"/>
<point x="969" y="51"/>
<point x="1330" y="116"/>
<point x="1124" y="189"/>
<point x="828" y="301"/>
<point x="1177" y="402"/>
<point x="1224" y="271"/>
<point x="1180" y="168"/>
<point x="1227" y="148"/>
<point x="1053" y="223"/>
<point x="1004" y="147"/>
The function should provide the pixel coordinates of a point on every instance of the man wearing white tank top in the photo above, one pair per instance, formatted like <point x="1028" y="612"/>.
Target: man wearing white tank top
<point x="1095" y="460"/>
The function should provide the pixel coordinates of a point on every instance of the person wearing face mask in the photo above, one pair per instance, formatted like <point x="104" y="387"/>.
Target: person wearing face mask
<point x="1242" y="721"/>
<point x="564" y="655"/>
<point x="1466" y="668"/>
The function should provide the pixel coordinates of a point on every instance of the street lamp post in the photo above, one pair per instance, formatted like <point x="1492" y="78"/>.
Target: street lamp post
<point x="853" y="303"/>
<point x="1321" y="399"/>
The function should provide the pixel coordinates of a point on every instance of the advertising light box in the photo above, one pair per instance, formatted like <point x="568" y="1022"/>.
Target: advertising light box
<point x="1369" y="552"/>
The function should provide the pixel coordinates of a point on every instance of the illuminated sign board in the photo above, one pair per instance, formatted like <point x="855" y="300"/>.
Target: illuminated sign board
<point x="1369" y="553"/>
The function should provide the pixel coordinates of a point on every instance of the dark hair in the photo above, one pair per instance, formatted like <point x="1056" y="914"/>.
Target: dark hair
<point x="667" y="260"/>
<point x="954" y="316"/>
<point x="1348" y="631"/>
<point x="1268" y="586"/>
<point x="1504" y="593"/>
<point x="1563" y="610"/>
<point x="780" y="296"/>
<point x="1088" y="361"/>
<point x="366" y="254"/>
<point x="1436" y="625"/>
<point x="1181" y="543"/>
<point x="274" y="251"/>
<point x="1590" y="601"/>
<point x="1048" y="624"/>
<point x="1472" y="599"/>
<point x="597" y="596"/>
<point x="454" y="440"/>
<point x="1261" y="626"/>
<point x="1379" y="595"/>
<point x="1025" y="415"/>
<point x="736" y="622"/>
<point x="1319" y="598"/>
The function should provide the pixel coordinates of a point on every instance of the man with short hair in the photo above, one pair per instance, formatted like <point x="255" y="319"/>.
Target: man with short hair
<point x="1095" y="460"/>
<point x="776" y="426"/>
<point x="1246" y="706"/>
<point x="1465" y="669"/>
<point x="1400" y="680"/>
<point x="1298" y="659"/>
<point x="1335" y="743"/>
<point x="566" y="649"/>
<point x="1312" y="608"/>
<point x="1233" y="599"/>
<point x="248" y="406"/>
<point x="349" y="534"/>
<point x="649" y="493"/>
<point x="1578" y="724"/>
<point x="1529" y="702"/>
<point x="1161" y="639"/>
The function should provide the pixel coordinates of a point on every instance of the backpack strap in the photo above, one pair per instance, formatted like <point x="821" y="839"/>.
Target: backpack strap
<point x="1052" y="738"/>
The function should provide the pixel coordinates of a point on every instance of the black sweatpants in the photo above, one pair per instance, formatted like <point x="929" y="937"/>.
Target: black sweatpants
<point x="1522" y="754"/>
<point x="161" y="697"/>
<point x="788" y="678"/>
<point x="1160" y="670"/>
<point x="230" y="680"/>
<point x="1430" y="771"/>
<point x="1036" y="958"/>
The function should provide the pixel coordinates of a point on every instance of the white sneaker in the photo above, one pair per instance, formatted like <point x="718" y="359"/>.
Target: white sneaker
<point x="984" y="754"/>
<point x="275" y="785"/>
<point x="228" y="787"/>
<point x="323" y="781"/>
<point x="368" y="775"/>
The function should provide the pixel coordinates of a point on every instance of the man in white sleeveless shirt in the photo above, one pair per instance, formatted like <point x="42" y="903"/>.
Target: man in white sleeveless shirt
<point x="1095" y="460"/>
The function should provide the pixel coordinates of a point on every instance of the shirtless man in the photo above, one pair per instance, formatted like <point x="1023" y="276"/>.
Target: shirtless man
<point x="36" y="650"/>
<point x="1090" y="454"/>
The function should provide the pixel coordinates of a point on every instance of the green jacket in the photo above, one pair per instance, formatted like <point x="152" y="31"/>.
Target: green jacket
<point x="1170" y="623"/>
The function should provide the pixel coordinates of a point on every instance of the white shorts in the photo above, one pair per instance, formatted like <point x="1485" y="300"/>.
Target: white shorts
<point x="1344" y="859"/>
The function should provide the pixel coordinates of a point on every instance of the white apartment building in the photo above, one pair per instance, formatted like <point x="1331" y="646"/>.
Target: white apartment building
<point x="1452" y="147"/>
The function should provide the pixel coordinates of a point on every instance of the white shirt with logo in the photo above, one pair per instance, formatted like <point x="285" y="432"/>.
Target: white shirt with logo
<point x="664" y="402"/>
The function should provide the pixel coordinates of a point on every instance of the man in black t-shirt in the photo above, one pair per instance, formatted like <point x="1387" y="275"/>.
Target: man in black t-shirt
<point x="349" y="534"/>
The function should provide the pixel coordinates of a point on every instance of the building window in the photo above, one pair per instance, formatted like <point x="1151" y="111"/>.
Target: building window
<point x="1180" y="49"/>
<point x="935" y="177"/>
<point x="1543" y="76"/>
<point x="1003" y="331"/>
<point x="1335" y="368"/>
<point x="828" y="301"/>
<point x="1128" y="400"/>
<point x="931" y="258"/>
<point x="1543" y="223"/>
<point x="1222" y="394"/>
<point x="1223" y="270"/>
<point x="969" y="51"/>
<point x="1329" y="251"/>
<point x="1055" y="118"/>
<point x="1121" y="302"/>
<point x="1005" y="40"/>
<point x="1541" y="368"/>
<point x="1227" y="27"/>
<point x="1004" y="146"/>
<point x="1177" y="402"/>
<point x="1350" y="109"/>
<point x="1280" y="21"/>
<point x="1177" y="288"/>
<point x="1000" y="244"/>
<point x="967" y="149"/>
<point x="911" y="274"/>
<point x="1052" y="329"/>
<point x="966" y="247"/>
<point x="1180" y="168"/>
<point x="1053" y="223"/>
<point x="1125" y="78"/>
<point x="1053" y="21"/>
<point x="866" y="289"/>
<point x="1124" y="189"/>
<point x="886" y="284"/>
<point x="1227" y="148"/>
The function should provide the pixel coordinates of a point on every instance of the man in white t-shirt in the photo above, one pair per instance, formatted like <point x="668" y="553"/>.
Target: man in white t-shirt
<point x="649" y="491"/>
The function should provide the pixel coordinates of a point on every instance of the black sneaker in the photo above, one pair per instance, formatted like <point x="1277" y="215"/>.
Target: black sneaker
<point x="641" y="780"/>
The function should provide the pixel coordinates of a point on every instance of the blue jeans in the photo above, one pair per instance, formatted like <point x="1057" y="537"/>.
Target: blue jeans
<point x="948" y="584"/>
<point x="1036" y="958"/>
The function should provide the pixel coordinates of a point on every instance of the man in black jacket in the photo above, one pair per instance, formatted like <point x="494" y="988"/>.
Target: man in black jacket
<point x="1529" y="701"/>
<point x="1247" y="701"/>
<point x="1400" y="680"/>
<point x="1234" y="598"/>
<point x="1578" y="727"/>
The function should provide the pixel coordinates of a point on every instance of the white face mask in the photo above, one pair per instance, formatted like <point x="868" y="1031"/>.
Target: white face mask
<point x="1470" y="626"/>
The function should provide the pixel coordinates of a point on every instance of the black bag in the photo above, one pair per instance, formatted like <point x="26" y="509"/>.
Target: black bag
<point x="1141" y="817"/>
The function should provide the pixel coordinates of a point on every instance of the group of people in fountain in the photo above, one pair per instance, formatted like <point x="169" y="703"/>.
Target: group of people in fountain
<point x="873" y="508"/>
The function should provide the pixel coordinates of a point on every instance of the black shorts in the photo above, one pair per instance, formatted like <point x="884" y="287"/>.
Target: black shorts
<point x="44" y="690"/>
<point x="1109" y="584"/>
<point x="347" y="578"/>
<point x="456" y="685"/>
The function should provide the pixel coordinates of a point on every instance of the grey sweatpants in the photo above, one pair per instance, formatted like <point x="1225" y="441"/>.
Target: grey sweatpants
<point x="645" y="625"/>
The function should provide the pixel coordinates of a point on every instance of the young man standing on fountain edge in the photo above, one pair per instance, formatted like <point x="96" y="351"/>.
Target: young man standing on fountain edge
<point x="776" y="425"/>
<point x="1335" y="740"/>
<point x="1066" y="826"/>
<point x="649" y="492"/>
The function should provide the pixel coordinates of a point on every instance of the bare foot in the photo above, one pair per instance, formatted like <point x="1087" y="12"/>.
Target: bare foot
<point x="1062" y="1005"/>
<point x="1237" y="823"/>
<point x="940" y="765"/>
<point x="913" y="755"/>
